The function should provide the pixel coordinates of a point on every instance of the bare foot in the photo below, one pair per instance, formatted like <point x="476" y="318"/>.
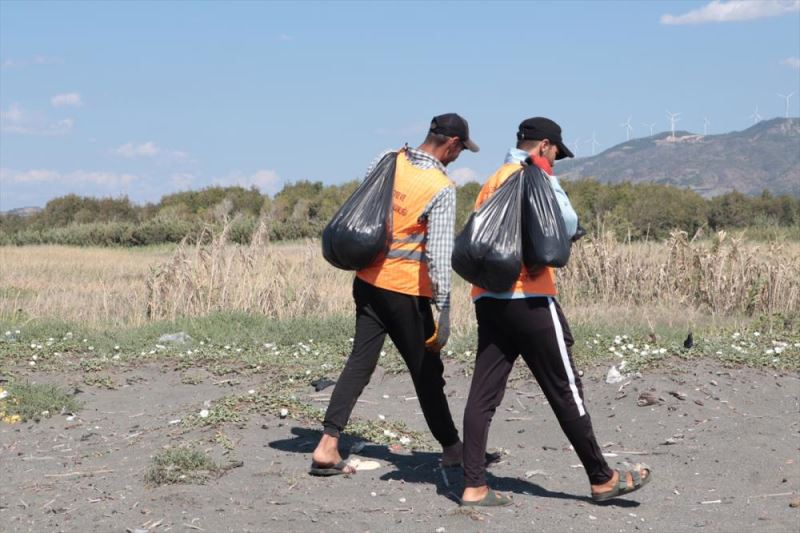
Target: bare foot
<point x="327" y="455"/>
<point x="474" y="494"/>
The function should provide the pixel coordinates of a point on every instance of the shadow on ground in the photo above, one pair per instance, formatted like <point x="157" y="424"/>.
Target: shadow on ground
<point x="423" y="467"/>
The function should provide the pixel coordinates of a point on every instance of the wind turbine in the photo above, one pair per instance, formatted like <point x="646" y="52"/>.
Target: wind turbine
<point x="706" y="124"/>
<point x="786" y="97"/>
<point x="594" y="142"/>
<point x="628" y="128"/>
<point x="755" y="116"/>
<point x="651" y="126"/>
<point x="673" y="118"/>
<point x="576" y="144"/>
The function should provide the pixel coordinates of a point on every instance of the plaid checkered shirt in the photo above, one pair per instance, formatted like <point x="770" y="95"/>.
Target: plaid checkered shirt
<point x="441" y="215"/>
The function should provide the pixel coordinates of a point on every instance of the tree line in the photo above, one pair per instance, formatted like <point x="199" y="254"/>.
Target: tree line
<point x="302" y="209"/>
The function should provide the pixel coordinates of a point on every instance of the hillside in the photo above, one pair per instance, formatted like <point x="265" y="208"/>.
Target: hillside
<point x="764" y="156"/>
<point x="23" y="211"/>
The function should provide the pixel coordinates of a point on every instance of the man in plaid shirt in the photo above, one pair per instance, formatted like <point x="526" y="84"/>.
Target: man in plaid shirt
<point x="393" y="295"/>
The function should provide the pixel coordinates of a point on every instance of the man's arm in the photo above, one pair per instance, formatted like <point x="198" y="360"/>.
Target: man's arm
<point x="441" y="214"/>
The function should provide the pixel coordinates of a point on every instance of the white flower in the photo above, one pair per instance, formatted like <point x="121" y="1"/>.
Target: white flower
<point x="381" y="417"/>
<point x="756" y="334"/>
<point x="203" y="413"/>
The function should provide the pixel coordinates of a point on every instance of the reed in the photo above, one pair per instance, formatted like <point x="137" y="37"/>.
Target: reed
<point x="677" y="280"/>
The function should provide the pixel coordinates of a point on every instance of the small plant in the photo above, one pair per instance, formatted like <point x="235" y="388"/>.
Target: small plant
<point x="31" y="401"/>
<point x="181" y="465"/>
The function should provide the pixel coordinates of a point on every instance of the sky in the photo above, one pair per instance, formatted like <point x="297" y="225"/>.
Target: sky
<point x="149" y="98"/>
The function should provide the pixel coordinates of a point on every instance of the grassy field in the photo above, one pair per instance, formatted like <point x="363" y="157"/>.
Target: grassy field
<point x="96" y="308"/>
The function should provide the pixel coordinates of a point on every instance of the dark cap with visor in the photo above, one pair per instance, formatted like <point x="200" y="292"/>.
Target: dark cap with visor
<point x="453" y="125"/>
<point x="540" y="128"/>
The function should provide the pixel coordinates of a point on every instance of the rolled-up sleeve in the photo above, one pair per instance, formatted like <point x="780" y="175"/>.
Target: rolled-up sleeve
<point x="441" y="215"/>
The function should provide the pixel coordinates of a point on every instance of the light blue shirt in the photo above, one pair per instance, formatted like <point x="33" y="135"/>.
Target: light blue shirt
<point x="515" y="155"/>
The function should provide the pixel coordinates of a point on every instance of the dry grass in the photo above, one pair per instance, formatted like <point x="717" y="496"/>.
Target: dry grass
<point x="720" y="276"/>
<point x="675" y="282"/>
<point x="89" y="285"/>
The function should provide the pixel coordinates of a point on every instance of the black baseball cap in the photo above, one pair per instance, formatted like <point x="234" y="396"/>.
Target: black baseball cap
<point x="539" y="128"/>
<point x="453" y="125"/>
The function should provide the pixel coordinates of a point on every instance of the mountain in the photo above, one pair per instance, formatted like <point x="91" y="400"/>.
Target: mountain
<point x="23" y="211"/>
<point x="764" y="156"/>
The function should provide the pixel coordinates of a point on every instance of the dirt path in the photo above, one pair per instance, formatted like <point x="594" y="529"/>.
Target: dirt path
<point x="723" y="443"/>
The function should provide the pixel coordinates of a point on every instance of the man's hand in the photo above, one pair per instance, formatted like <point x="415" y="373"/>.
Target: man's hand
<point x="441" y="332"/>
<point x="580" y="232"/>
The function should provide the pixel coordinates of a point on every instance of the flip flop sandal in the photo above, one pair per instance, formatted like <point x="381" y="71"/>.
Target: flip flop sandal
<point x="340" y="468"/>
<point x="492" y="499"/>
<point x="622" y="486"/>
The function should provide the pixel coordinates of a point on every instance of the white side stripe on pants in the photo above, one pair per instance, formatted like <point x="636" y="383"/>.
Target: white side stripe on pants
<point x="562" y="347"/>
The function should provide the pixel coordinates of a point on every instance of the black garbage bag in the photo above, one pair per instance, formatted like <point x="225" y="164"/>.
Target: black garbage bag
<point x="488" y="251"/>
<point x="360" y="230"/>
<point x="544" y="236"/>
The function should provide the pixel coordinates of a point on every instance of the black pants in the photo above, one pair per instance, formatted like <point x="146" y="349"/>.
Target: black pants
<point x="537" y="329"/>
<point x="409" y="322"/>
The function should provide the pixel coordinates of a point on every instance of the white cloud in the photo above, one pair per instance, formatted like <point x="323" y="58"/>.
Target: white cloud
<point x="67" y="99"/>
<point x="285" y="37"/>
<point x="36" y="60"/>
<point x="463" y="175"/>
<point x="734" y="10"/>
<point x="792" y="62"/>
<point x="181" y="181"/>
<point x="17" y="120"/>
<point x="42" y="176"/>
<point x="147" y="149"/>
<point x="268" y="181"/>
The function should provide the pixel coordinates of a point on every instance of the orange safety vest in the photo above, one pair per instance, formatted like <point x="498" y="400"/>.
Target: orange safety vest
<point x="403" y="269"/>
<point x="540" y="281"/>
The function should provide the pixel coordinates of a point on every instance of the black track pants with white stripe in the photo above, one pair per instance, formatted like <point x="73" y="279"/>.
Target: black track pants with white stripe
<point x="536" y="329"/>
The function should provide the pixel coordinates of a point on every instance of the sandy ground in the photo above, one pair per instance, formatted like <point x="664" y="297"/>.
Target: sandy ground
<point x="723" y="445"/>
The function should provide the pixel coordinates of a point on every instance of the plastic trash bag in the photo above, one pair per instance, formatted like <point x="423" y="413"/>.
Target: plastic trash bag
<point x="360" y="230"/>
<point x="488" y="251"/>
<point x="544" y="236"/>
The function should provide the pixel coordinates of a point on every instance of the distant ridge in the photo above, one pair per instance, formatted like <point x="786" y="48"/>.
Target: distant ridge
<point x="23" y="211"/>
<point x="764" y="156"/>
